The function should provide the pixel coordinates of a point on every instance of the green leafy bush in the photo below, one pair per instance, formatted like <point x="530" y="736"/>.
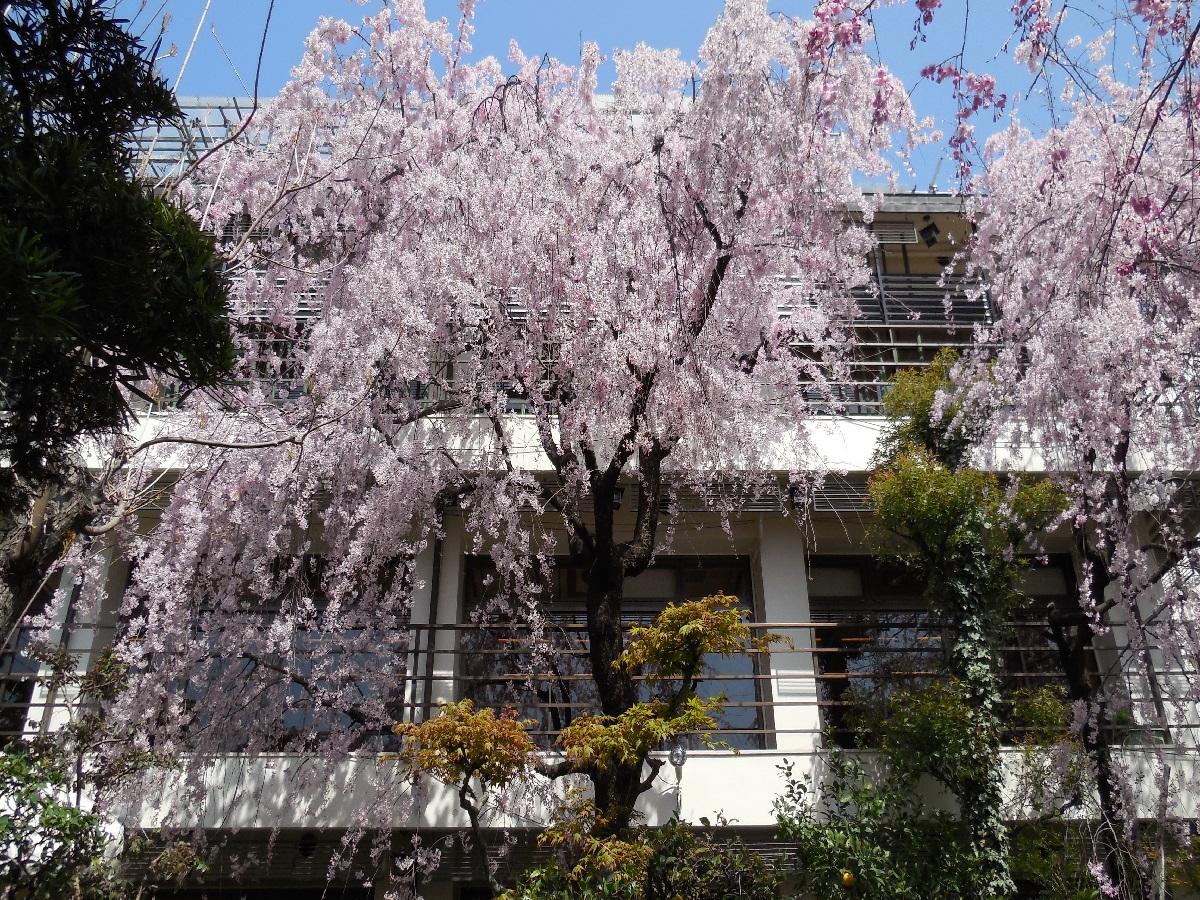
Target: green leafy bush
<point x="671" y="862"/>
<point x="909" y="403"/>
<point x="51" y="848"/>
<point x="1048" y="863"/>
<point x="933" y="730"/>
<point x="866" y="834"/>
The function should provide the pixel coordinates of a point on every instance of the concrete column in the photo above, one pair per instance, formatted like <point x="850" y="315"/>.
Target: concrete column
<point x="1170" y="683"/>
<point x="50" y="710"/>
<point x="784" y="592"/>
<point x="86" y="636"/>
<point x="447" y="612"/>
<point x="418" y="615"/>
<point x="435" y="602"/>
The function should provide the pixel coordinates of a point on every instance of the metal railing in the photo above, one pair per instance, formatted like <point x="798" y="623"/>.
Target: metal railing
<point x="841" y="669"/>
<point x="164" y="152"/>
<point x="841" y="676"/>
<point x="943" y="300"/>
<point x="902" y="326"/>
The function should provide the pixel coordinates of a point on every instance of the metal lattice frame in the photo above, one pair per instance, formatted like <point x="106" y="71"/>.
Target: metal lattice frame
<point x="904" y="320"/>
<point x="163" y="153"/>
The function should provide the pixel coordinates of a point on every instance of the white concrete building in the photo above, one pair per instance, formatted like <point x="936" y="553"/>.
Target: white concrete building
<point x="855" y="628"/>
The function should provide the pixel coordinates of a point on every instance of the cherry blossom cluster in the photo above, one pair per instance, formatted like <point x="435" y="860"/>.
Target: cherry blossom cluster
<point x="1091" y="365"/>
<point x="431" y="244"/>
<point x="473" y="293"/>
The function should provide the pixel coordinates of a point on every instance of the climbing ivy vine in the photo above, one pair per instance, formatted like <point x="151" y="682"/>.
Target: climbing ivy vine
<point x="958" y="531"/>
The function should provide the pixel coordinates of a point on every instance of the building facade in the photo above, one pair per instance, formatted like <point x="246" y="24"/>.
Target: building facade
<point x="855" y="630"/>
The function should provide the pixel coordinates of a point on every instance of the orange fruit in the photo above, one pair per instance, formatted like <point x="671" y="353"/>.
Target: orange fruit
<point x="848" y="879"/>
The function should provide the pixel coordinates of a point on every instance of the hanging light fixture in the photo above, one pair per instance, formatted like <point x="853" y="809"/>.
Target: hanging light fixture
<point x="678" y="754"/>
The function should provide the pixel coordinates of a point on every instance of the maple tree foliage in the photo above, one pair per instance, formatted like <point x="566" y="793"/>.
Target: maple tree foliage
<point x="479" y="753"/>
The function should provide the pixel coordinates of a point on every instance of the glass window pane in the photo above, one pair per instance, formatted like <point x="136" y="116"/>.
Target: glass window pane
<point x="880" y="639"/>
<point x="551" y="685"/>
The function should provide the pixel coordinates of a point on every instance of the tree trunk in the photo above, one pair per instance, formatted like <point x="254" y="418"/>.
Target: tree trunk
<point x="1073" y="644"/>
<point x="1073" y="640"/>
<point x="617" y="788"/>
<point x="479" y="850"/>
<point x="606" y="640"/>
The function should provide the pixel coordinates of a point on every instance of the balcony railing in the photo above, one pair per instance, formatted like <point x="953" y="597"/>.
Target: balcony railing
<point x="839" y="669"/>
<point x="846" y="670"/>
<point x="903" y="323"/>
<point x="923" y="299"/>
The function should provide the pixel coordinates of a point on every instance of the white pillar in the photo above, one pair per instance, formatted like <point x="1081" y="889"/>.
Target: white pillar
<point x="418" y="615"/>
<point x="51" y="710"/>
<point x="784" y="590"/>
<point x="442" y="608"/>
<point x="443" y="688"/>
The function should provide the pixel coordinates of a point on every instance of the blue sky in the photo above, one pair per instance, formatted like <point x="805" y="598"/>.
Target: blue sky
<point x="230" y="35"/>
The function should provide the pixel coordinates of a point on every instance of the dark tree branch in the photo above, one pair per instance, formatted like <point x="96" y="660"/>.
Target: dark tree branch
<point x="638" y="552"/>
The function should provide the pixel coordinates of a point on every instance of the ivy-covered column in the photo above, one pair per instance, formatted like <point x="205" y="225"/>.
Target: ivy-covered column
<point x="962" y="593"/>
<point x="936" y="523"/>
<point x="959" y="530"/>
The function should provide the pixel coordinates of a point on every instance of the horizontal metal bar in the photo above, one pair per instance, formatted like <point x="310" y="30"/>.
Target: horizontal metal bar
<point x="749" y="651"/>
<point x="824" y="676"/>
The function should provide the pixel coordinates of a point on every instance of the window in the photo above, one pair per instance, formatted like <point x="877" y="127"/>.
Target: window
<point x="18" y="676"/>
<point x="296" y="679"/>
<point x="29" y="696"/>
<point x="874" y="637"/>
<point x="497" y="658"/>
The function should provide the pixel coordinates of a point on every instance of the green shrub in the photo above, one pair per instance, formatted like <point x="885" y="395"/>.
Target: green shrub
<point x="866" y="834"/>
<point x="1049" y="863"/>
<point x="52" y="848"/>
<point x="672" y="862"/>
